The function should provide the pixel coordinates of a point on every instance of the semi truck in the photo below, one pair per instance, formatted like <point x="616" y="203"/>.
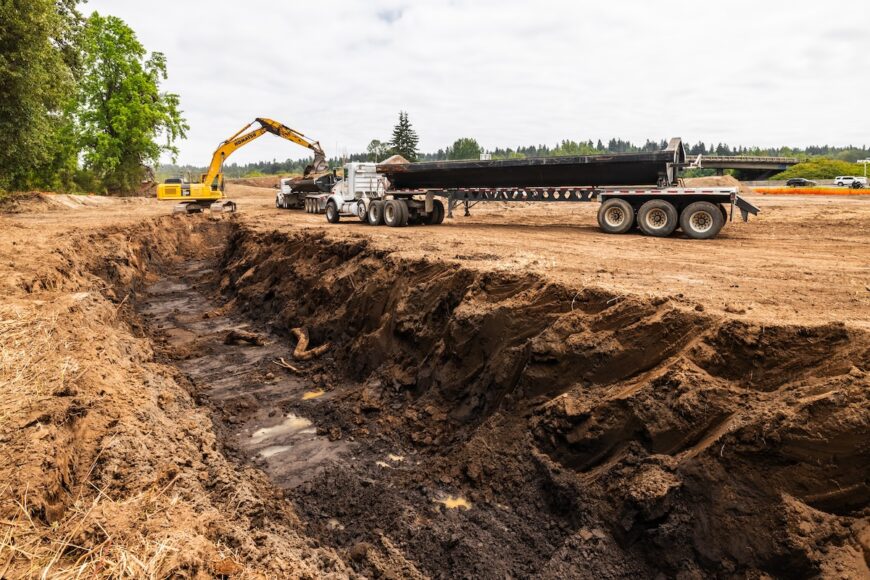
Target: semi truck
<point x="636" y="190"/>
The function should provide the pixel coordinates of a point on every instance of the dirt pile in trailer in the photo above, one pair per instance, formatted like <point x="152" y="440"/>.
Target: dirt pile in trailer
<point x="448" y="422"/>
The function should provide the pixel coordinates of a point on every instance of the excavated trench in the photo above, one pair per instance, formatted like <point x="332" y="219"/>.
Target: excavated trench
<point x="492" y="425"/>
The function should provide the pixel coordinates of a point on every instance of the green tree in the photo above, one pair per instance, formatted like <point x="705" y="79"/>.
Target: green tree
<point x="568" y="147"/>
<point x="405" y="139"/>
<point x="125" y="121"/>
<point x="38" y="58"/>
<point x="377" y="150"/>
<point x="465" y="148"/>
<point x="821" y="169"/>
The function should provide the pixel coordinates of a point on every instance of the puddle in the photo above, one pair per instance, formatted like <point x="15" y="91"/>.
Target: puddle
<point x="286" y="446"/>
<point x="452" y="503"/>
<point x="291" y="425"/>
<point x="334" y="524"/>
<point x="273" y="451"/>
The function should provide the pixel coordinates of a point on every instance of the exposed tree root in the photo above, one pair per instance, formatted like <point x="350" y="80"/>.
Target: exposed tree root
<point x="301" y="352"/>
<point x="237" y="336"/>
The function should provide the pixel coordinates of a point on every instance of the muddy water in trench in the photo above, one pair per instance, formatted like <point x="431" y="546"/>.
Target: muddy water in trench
<point x="262" y="406"/>
<point x="377" y="495"/>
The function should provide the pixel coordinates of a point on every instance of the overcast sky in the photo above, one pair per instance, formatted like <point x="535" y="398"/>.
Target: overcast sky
<point x="512" y="72"/>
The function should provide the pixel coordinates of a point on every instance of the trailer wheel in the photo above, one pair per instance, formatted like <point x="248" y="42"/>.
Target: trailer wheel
<point x="395" y="213"/>
<point x="701" y="220"/>
<point x="437" y="216"/>
<point x="615" y="216"/>
<point x="332" y="215"/>
<point x="724" y="213"/>
<point x="375" y="214"/>
<point x="658" y="218"/>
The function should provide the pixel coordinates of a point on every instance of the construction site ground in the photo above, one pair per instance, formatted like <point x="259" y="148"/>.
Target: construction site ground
<point x="509" y="394"/>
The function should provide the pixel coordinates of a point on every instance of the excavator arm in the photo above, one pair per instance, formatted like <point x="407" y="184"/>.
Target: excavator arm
<point x="319" y="164"/>
<point x="213" y="179"/>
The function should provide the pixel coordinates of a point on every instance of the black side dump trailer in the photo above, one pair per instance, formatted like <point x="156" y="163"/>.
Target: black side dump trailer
<point x="635" y="189"/>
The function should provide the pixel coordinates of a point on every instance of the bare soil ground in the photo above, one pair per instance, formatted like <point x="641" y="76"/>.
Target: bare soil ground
<point x="510" y="394"/>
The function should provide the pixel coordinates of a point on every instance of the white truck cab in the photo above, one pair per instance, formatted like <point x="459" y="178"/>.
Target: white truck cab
<point x="365" y="194"/>
<point x="351" y="196"/>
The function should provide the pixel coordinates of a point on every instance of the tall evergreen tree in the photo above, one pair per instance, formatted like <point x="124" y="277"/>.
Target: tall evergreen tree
<point x="404" y="141"/>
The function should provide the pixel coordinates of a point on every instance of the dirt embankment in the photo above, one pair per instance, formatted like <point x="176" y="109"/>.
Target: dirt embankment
<point x="590" y="434"/>
<point x="111" y="468"/>
<point x="597" y="435"/>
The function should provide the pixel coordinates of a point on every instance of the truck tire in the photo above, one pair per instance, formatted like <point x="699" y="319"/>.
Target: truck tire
<point x="724" y="213"/>
<point x="615" y="216"/>
<point x="395" y="213"/>
<point x="375" y="213"/>
<point x="437" y="216"/>
<point x="332" y="215"/>
<point x="701" y="220"/>
<point x="658" y="218"/>
<point x="361" y="213"/>
<point x="406" y="213"/>
<point x="277" y="203"/>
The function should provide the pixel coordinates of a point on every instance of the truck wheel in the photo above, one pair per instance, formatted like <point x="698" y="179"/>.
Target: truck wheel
<point x="701" y="220"/>
<point x="376" y="213"/>
<point x="437" y="216"/>
<point x="332" y="215"/>
<point x="361" y="212"/>
<point x="277" y="203"/>
<point x="658" y="218"/>
<point x="615" y="216"/>
<point x="395" y="213"/>
<point x="724" y="213"/>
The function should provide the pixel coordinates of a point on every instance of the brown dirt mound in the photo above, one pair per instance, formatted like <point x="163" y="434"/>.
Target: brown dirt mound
<point x="597" y="435"/>
<point x="111" y="467"/>
<point x="273" y="181"/>
<point x="717" y="181"/>
<point x="593" y="434"/>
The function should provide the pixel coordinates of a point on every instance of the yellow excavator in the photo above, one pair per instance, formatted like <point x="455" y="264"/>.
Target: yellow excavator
<point x="209" y="192"/>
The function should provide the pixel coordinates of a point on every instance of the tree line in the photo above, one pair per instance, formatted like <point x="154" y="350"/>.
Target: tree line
<point x="81" y="107"/>
<point x="404" y="142"/>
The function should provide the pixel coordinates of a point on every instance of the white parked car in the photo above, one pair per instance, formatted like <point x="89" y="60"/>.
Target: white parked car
<point x="850" y="181"/>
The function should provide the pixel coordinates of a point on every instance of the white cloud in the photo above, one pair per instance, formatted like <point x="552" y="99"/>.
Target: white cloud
<point x="512" y="72"/>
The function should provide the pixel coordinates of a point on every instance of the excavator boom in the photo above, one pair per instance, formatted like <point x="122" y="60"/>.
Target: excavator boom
<point x="319" y="165"/>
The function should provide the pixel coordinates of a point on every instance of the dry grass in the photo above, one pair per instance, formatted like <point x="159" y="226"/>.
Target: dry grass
<point x="30" y="549"/>
<point x="34" y="368"/>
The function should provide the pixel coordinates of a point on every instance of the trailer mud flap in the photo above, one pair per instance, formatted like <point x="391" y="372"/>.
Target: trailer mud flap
<point x="744" y="206"/>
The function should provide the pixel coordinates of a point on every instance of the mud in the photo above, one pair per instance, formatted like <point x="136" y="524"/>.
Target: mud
<point x="595" y="435"/>
<point x="463" y="423"/>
